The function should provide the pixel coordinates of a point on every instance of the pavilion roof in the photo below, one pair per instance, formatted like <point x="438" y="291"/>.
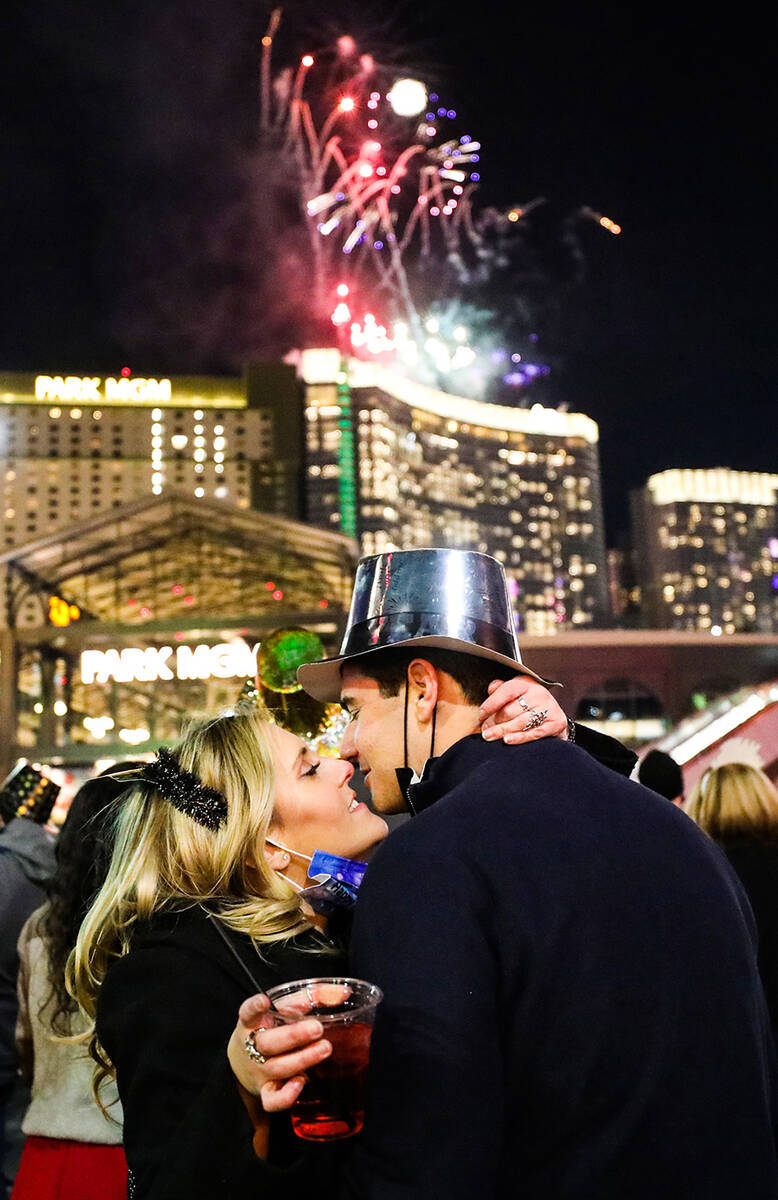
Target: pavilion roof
<point x="159" y="558"/>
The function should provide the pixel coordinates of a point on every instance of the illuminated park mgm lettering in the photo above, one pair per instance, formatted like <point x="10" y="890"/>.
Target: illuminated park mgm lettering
<point x="93" y="389"/>
<point x="135" y="664"/>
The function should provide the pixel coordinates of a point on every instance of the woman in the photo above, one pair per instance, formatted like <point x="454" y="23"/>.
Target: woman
<point x="737" y="805"/>
<point x="71" y="1148"/>
<point x="206" y="902"/>
<point x="201" y="907"/>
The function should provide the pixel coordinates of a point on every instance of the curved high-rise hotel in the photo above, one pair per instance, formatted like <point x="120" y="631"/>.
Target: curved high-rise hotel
<point x="401" y="464"/>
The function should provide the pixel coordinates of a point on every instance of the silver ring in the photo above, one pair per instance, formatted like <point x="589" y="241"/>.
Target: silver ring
<point x="523" y="703"/>
<point x="537" y="718"/>
<point x="251" y="1050"/>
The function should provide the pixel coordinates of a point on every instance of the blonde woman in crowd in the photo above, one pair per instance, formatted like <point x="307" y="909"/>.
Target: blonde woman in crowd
<point x="736" y="803"/>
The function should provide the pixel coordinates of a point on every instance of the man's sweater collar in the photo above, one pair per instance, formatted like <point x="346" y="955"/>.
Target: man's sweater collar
<point x="444" y="772"/>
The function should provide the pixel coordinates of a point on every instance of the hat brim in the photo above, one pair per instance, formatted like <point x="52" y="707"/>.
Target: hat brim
<point x="322" y="680"/>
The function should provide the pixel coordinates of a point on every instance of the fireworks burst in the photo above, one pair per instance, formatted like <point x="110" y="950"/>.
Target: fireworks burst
<point x="382" y="176"/>
<point x="386" y="187"/>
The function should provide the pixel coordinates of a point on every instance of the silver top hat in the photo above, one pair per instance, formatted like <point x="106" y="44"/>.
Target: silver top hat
<point x="449" y="599"/>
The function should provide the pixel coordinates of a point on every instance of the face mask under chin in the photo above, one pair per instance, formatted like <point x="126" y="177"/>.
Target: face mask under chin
<point x="337" y="879"/>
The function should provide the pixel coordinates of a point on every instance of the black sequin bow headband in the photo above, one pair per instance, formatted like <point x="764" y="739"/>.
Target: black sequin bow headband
<point x="182" y="788"/>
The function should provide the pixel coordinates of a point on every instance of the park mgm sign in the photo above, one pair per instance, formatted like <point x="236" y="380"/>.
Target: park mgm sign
<point x="93" y="389"/>
<point x="149" y="664"/>
<point x="122" y="390"/>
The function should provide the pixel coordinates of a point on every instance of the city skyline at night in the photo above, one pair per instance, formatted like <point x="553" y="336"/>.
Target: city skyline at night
<point x="356" y="447"/>
<point x="128" y="164"/>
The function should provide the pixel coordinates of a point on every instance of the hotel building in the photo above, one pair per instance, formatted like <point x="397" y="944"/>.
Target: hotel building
<point x="75" y="447"/>
<point x="362" y="452"/>
<point x="706" y="547"/>
<point x="399" y="464"/>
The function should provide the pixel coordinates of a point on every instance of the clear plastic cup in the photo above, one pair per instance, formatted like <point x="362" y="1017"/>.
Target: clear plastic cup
<point x="332" y="1103"/>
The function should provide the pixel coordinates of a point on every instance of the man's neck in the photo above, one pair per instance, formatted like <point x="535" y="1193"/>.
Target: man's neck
<point x="454" y="722"/>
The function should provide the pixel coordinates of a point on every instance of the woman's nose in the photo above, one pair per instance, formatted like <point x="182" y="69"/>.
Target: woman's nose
<point x="348" y="749"/>
<point x="348" y="770"/>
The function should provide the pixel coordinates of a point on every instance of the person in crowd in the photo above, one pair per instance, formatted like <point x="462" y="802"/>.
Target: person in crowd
<point x="73" y="1149"/>
<point x="26" y="863"/>
<point x="207" y="902"/>
<point x="572" y="1005"/>
<point x="736" y="803"/>
<point x="660" y="772"/>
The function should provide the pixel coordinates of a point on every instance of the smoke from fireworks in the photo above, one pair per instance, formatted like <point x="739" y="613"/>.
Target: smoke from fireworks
<point x="273" y="184"/>
<point x="386" y="189"/>
<point x="383" y="178"/>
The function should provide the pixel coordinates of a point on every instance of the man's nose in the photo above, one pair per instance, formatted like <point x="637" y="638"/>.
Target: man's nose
<point x="348" y="746"/>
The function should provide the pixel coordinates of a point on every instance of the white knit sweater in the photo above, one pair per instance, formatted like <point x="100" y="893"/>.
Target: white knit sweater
<point x="62" y="1105"/>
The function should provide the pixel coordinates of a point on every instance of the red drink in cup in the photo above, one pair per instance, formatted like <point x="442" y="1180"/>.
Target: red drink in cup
<point x="332" y="1103"/>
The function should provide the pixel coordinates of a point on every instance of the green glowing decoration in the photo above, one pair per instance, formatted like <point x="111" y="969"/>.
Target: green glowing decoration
<point x="279" y="656"/>
<point x="282" y="653"/>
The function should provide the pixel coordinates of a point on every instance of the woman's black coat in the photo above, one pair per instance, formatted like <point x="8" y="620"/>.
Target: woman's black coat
<point x="165" y="1015"/>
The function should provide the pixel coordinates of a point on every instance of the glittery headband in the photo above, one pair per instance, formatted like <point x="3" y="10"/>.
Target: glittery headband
<point x="182" y="788"/>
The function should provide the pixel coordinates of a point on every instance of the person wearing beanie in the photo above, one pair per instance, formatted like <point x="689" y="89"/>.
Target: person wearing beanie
<point x="658" y="771"/>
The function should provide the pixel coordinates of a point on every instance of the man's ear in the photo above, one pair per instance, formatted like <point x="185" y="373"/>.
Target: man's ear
<point x="424" y="688"/>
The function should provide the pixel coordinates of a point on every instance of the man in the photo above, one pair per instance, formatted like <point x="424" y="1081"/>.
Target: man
<point x="572" y="1006"/>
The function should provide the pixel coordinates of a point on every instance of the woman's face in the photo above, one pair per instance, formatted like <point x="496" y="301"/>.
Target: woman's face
<point x="315" y="808"/>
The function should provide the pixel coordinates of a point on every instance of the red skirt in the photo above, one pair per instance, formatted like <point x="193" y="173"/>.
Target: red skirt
<point x="57" y="1169"/>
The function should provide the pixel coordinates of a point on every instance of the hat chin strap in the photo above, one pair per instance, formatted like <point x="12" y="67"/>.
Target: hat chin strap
<point x="406" y="776"/>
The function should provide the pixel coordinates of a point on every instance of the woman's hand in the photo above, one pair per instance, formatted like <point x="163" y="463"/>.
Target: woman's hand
<point x="288" y="1051"/>
<point x="521" y="710"/>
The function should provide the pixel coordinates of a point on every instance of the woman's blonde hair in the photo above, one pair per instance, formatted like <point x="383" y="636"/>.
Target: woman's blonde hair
<point x="734" y="798"/>
<point x="163" y="858"/>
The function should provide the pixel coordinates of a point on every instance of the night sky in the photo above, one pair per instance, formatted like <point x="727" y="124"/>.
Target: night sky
<point x="127" y="132"/>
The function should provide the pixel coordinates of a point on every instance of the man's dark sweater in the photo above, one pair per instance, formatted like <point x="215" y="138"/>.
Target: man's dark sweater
<point x="572" y="1002"/>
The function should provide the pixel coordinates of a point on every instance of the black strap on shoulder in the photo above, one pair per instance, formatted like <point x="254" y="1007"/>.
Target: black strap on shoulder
<point x="222" y="932"/>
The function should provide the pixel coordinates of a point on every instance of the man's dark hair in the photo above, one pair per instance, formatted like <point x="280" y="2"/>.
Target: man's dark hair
<point x="389" y="668"/>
